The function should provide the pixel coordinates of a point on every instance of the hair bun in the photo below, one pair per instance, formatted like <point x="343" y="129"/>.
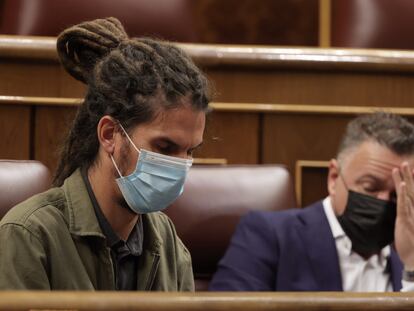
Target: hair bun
<point x="80" y="47"/>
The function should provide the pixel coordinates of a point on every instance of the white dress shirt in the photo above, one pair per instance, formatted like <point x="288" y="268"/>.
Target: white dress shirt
<point x="358" y="274"/>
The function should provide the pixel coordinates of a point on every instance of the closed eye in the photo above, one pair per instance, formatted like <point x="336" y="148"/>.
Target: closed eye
<point x="167" y="149"/>
<point x="192" y="150"/>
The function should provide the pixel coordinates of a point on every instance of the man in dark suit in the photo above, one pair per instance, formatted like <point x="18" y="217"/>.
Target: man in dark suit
<point x="344" y="242"/>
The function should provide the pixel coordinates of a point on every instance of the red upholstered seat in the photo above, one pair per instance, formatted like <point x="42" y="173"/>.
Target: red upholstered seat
<point x="381" y="24"/>
<point x="20" y="180"/>
<point x="205" y="216"/>
<point x="214" y="199"/>
<point x="166" y="19"/>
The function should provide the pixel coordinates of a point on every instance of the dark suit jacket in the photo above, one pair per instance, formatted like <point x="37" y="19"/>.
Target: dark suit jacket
<point x="291" y="250"/>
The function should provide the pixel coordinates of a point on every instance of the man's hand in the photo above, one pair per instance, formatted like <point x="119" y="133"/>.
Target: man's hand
<point x="404" y="225"/>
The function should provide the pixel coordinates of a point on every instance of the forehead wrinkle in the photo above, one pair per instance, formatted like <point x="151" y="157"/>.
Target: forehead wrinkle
<point x="382" y="165"/>
<point x="377" y="162"/>
<point x="379" y="175"/>
<point x="373" y="166"/>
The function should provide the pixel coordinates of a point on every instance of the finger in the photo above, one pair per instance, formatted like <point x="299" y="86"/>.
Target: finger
<point x="402" y="211"/>
<point x="396" y="176"/>
<point x="408" y="179"/>
<point x="407" y="176"/>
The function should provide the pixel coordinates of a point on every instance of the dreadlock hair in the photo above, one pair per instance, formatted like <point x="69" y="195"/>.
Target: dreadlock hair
<point x="128" y="79"/>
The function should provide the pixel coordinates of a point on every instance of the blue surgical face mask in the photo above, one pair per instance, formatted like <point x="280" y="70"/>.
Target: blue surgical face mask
<point x="157" y="181"/>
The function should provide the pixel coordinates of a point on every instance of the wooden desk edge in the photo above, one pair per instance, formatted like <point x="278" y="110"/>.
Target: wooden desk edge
<point x="208" y="55"/>
<point x="205" y="301"/>
<point x="226" y="107"/>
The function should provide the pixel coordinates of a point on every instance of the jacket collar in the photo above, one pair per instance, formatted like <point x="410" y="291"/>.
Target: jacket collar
<point x="82" y="217"/>
<point x="320" y="246"/>
<point x="150" y="257"/>
<point x="152" y="237"/>
<point x="321" y="249"/>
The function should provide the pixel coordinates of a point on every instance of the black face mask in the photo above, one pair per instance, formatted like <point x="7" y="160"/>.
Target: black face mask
<point x="369" y="223"/>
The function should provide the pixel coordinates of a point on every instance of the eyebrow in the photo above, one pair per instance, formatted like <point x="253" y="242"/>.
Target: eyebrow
<point x="174" y="144"/>
<point x="196" y="147"/>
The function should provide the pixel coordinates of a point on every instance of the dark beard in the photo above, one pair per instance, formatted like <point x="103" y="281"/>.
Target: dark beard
<point x="124" y="205"/>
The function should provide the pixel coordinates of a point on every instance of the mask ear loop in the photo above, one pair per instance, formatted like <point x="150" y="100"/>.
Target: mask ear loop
<point x="342" y="178"/>
<point x="116" y="166"/>
<point x="112" y="158"/>
<point x="129" y="138"/>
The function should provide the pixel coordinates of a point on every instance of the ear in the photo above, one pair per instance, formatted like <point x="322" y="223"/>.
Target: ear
<point x="333" y="176"/>
<point x="106" y="130"/>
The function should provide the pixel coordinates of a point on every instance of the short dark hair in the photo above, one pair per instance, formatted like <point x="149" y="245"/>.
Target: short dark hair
<point x="387" y="129"/>
<point x="130" y="79"/>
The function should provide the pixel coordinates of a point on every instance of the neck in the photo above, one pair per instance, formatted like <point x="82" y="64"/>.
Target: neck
<point x="121" y="219"/>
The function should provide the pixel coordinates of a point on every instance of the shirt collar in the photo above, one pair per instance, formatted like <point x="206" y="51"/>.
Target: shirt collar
<point x="336" y="228"/>
<point x="339" y="234"/>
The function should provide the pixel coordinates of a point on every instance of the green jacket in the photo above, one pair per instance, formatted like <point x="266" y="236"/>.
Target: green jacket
<point x="53" y="241"/>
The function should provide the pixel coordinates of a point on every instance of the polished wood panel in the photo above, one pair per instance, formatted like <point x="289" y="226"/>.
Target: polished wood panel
<point x="40" y="101"/>
<point x="236" y="133"/>
<point x="28" y="66"/>
<point x="234" y="136"/>
<point x="214" y="55"/>
<point x="210" y="161"/>
<point x="263" y="108"/>
<point x="86" y="301"/>
<point x="271" y="105"/>
<point x="315" y="186"/>
<point x="325" y="23"/>
<point x="37" y="78"/>
<point x="314" y="87"/>
<point x="310" y="181"/>
<point x="15" y="128"/>
<point x="229" y="138"/>
<point x="288" y="138"/>
<point x="52" y="125"/>
<point x="287" y="22"/>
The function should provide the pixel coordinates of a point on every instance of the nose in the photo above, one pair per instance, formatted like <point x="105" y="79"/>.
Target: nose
<point x="384" y="195"/>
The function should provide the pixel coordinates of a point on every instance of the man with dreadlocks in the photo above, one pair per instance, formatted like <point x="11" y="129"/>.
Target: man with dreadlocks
<point x="124" y="160"/>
